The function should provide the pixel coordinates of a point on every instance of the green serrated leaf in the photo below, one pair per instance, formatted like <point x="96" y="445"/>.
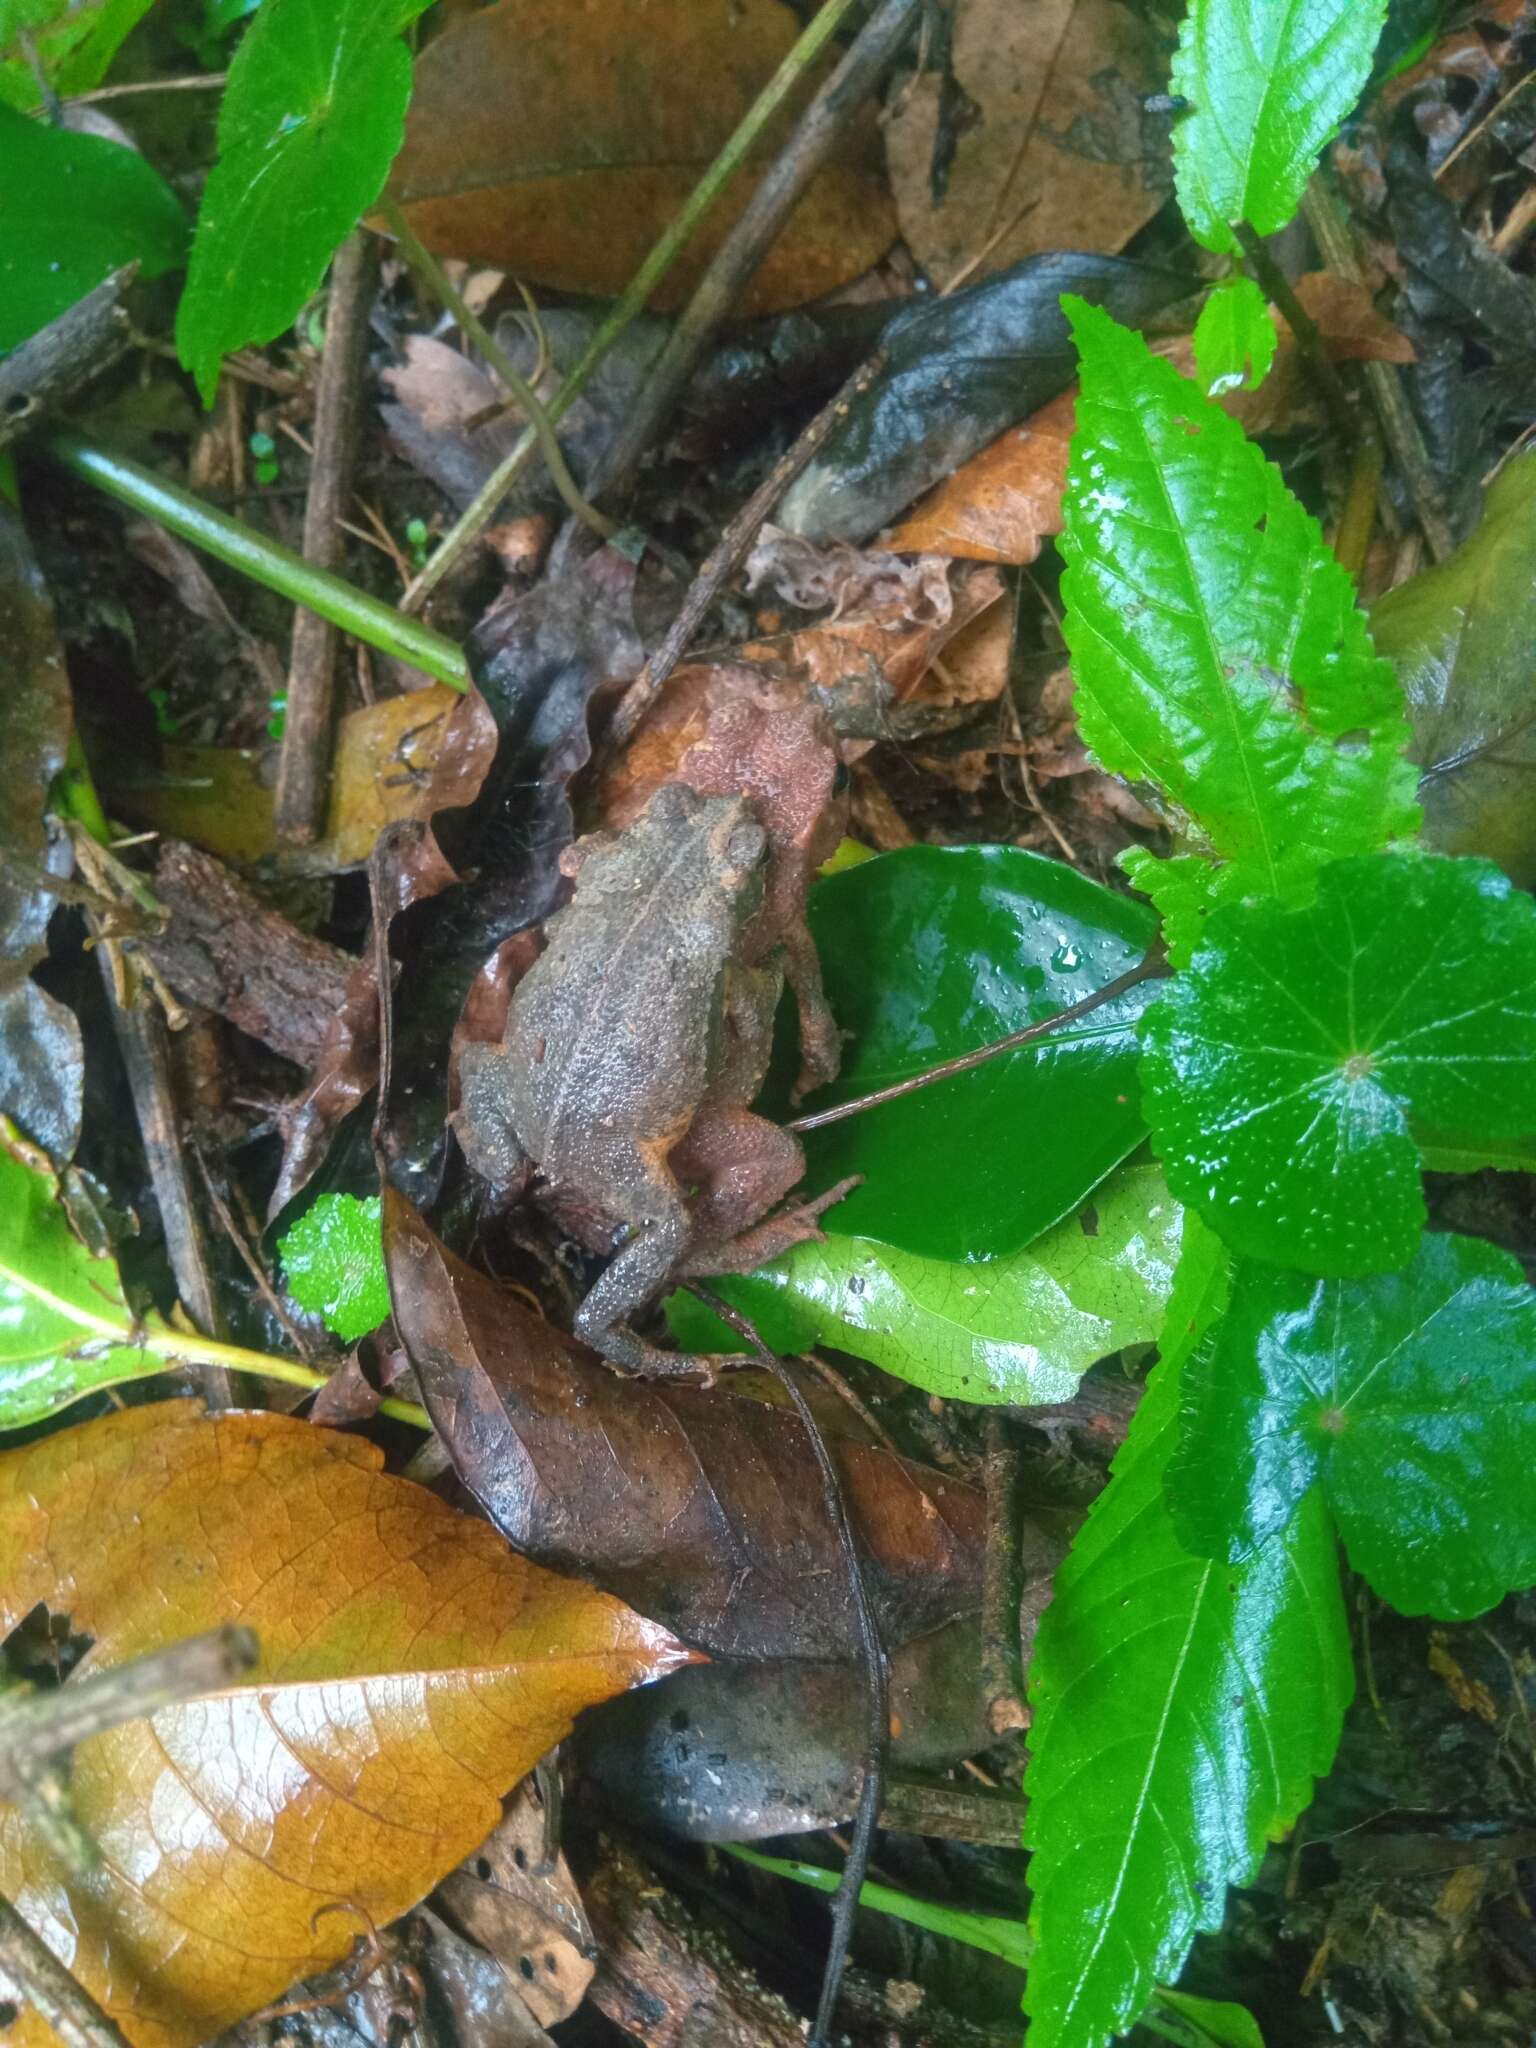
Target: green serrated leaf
<point x="76" y="207"/>
<point x="933" y="951"/>
<point x="1269" y="83"/>
<point x="1022" y="1329"/>
<point x="312" y="118"/>
<point x="1410" y="1397"/>
<point x="1174" y="1734"/>
<point x="1460" y="635"/>
<point x="1234" y="339"/>
<point x="1280" y="1070"/>
<point x="333" y="1262"/>
<point x="1216" y="645"/>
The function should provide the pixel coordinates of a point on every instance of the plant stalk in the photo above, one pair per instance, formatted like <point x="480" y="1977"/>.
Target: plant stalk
<point x="265" y="561"/>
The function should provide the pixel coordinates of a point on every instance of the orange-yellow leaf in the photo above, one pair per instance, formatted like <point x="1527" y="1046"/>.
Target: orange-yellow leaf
<point x="559" y="138"/>
<point x="412" y="1668"/>
<point x="1002" y="504"/>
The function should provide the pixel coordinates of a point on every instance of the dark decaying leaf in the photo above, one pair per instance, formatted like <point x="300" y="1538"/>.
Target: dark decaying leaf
<point x="959" y="371"/>
<point x="41" y="1063"/>
<point x="501" y="811"/>
<point x="703" y="1506"/>
<point x="1460" y="635"/>
<point x="1451" y="266"/>
<point x="777" y="1747"/>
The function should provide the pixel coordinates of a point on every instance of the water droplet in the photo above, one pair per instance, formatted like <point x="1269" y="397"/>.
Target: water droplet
<point x="856" y="1283"/>
<point x="1066" y="958"/>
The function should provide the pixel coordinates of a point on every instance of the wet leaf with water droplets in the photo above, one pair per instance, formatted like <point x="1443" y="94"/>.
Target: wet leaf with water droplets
<point x="1408" y="1397"/>
<point x="1281" y="1070"/>
<point x="1217" y="648"/>
<point x="412" y="1669"/>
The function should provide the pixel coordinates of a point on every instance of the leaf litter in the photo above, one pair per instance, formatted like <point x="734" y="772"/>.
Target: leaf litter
<point x="888" y="660"/>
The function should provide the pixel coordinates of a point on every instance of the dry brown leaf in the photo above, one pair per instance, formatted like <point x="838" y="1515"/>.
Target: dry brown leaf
<point x="1060" y="152"/>
<point x="1004" y="503"/>
<point x="560" y="139"/>
<point x="411" y="1669"/>
<point x="220" y="798"/>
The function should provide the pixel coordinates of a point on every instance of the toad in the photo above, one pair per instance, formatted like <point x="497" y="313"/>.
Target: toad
<point x="632" y="1049"/>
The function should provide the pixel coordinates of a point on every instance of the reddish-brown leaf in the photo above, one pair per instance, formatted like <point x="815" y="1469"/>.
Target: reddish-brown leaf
<point x="411" y="1670"/>
<point x="1004" y="503"/>
<point x="701" y="1508"/>
<point x="559" y="138"/>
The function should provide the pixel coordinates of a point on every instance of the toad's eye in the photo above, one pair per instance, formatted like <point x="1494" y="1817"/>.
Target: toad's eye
<point x="841" y="779"/>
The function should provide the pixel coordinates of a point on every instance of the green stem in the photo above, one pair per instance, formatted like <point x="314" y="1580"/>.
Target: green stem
<point x="179" y="1348"/>
<point x="807" y="49"/>
<point x="264" y="561"/>
<point x="431" y="273"/>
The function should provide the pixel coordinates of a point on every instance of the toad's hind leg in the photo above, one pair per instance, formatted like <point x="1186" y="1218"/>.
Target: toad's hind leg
<point x="640" y="1270"/>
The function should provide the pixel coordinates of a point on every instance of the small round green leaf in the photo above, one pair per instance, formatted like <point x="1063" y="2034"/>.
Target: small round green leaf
<point x="333" y="1261"/>
<point x="313" y="116"/>
<point x="1234" y="338"/>
<point x="1281" y="1069"/>
<point x="76" y="207"/>
<point x="931" y="952"/>
<point x="1022" y="1329"/>
<point x="1410" y="1395"/>
<point x="1269" y="82"/>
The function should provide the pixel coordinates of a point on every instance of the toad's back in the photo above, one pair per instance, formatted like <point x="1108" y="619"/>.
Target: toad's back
<point x="611" y="1034"/>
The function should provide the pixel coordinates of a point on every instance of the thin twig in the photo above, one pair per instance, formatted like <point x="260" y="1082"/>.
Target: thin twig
<point x="1153" y="968"/>
<point x="845" y="1900"/>
<point x="1335" y="244"/>
<point x="1357" y="521"/>
<point x="304" y="760"/>
<point x="431" y="274"/>
<point x="810" y="143"/>
<point x="205" y="81"/>
<point x="38" y="1727"/>
<point x="33" y="1972"/>
<point x="730" y="552"/>
<point x="1002" y="1666"/>
<point x="477" y="515"/>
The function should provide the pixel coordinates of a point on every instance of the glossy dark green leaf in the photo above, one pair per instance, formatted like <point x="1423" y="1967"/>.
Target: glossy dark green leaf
<point x="1234" y="338"/>
<point x="1460" y="636"/>
<point x="1182" y="1711"/>
<point x="1021" y="1329"/>
<point x="76" y="207"/>
<point x="1282" y="1068"/>
<point x="312" y="118"/>
<point x="931" y="952"/>
<point x="333" y="1262"/>
<point x="1410" y="1397"/>
<point x="959" y="371"/>
<point x="1269" y="83"/>
<point x="1216" y="645"/>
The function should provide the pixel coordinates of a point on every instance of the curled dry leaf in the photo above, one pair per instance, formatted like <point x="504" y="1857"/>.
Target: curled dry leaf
<point x="560" y="139"/>
<point x="411" y="1669"/>
<point x="1058" y="152"/>
<point x="703" y="1507"/>
<point x="41" y="1063"/>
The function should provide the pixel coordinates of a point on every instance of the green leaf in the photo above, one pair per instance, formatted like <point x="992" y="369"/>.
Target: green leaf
<point x="76" y="41"/>
<point x="63" y="1315"/>
<point x="1460" y="636"/>
<point x="1235" y="339"/>
<point x="313" y="115"/>
<point x="1269" y="83"/>
<point x="333" y="1261"/>
<point x="1209" y="2022"/>
<point x="1216" y="645"/>
<point x="1281" y="1069"/>
<point x="1410" y="1397"/>
<point x="1182" y="1710"/>
<point x="1442" y="1154"/>
<point x="75" y="208"/>
<point x="934" y="951"/>
<point x="1022" y="1329"/>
